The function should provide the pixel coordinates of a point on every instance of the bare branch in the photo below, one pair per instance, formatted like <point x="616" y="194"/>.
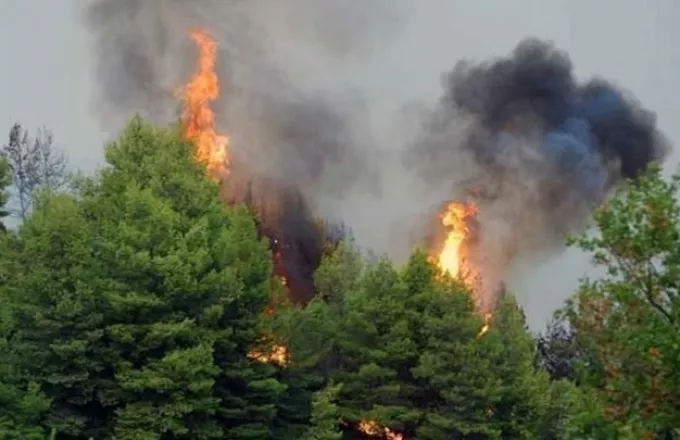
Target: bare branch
<point x="35" y="163"/>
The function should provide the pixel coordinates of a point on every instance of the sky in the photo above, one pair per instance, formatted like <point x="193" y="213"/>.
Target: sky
<point x="48" y="80"/>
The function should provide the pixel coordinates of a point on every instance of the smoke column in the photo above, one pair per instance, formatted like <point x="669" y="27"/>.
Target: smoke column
<point x="536" y="149"/>
<point x="290" y="123"/>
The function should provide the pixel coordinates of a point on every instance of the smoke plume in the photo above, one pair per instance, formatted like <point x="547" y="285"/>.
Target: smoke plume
<point x="535" y="148"/>
<point x="291" y="124"/>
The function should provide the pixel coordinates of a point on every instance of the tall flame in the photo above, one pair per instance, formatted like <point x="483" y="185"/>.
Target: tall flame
<point x="211" y="147"/>
<point x="199" y="118"/>
<point x="453" y="257"/>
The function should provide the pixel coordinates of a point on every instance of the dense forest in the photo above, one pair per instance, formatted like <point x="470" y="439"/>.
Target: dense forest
<point x="137" y="305"/>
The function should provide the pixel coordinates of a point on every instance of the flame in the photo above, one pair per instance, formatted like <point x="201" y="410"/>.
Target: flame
<point x="487" y="324"/>
<point x="211" y="148"/>
<point x="373" y="429"/>
<point x="452" y="258"/>
<point x="277" y="355"/>
<point x="198" y="117"/>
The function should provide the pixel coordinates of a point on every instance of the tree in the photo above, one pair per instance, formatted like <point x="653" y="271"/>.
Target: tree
<point x="404" y="345"/>
<point x="558" y="353"/>
<point x="629" y="320"/>
<point x="142" y="297"/>
<point x="35" y="163"/>
<point x="5" y="181"/>
<point x="325" y="415"/>
<point x="23" y="404"/>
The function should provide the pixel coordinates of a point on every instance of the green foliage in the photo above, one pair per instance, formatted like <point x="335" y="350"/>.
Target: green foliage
<point x="132" y="308"/>
<point x="405" y="347"/>
<point x="22" y="404"/>
<point x="629" y="320"/>
<point x="140" y="299"/>
<point x="325" y="417"/>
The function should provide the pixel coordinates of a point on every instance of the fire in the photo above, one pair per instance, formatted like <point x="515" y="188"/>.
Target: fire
<point x="487" y="324"/>
<point x="277" y="355"/>
<point x="211" y="147"/>
<point x="198" y="117"/>
<point x="371" y="428"/>
<point x="453" y="257"/>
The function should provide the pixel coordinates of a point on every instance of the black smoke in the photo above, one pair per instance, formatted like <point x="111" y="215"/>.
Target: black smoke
<point x="283" y="136"/>
<point x="582" y="127"/>
<point x="536" y="148"/>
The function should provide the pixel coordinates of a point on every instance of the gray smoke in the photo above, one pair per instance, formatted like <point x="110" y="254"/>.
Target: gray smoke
<point x="535" y="148"/>
<point x="281" y="66"/>
<point x="299" y="134"/>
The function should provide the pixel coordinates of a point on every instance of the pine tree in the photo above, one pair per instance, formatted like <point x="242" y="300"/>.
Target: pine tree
<point x="325" y="415"/>
<point x="23" y="405"/>
<point x="143" y="298"/>
<point x="405" y="347"/>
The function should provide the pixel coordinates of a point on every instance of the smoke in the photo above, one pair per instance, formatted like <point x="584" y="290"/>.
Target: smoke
<point x="536" y="149"/>
<point x="297" y="131"/>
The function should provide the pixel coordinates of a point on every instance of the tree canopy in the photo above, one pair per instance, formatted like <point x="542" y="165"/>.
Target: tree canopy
<point x="140" y="306"/>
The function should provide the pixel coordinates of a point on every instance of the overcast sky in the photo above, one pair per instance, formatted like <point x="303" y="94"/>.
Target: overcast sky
<point x="46" y="76"/>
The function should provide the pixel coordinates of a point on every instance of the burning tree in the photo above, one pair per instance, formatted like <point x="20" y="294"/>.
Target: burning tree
<point x="296" y="238"/>
<point x="405" y="347"/>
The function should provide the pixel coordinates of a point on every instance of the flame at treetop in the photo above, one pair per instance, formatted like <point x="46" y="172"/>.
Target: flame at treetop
<point x="211" y="147"/>
<point x="453" y="258"/>
<point x="198" y="117"/>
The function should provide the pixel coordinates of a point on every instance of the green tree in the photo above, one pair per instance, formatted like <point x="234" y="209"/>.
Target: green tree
<point x="405" y="346"/>
<point x="628" y="321"/>
<point x="325" y="416"/>
<point x="141" y="298"/>
<point x="23" y="405"/>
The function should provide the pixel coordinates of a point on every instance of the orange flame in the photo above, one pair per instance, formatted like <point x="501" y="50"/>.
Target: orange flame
<point x="452" y="258"/>
<point x="211" y="148"/>
<point x="199" y="118"/>
<point x="371" y="428"/>
<point x="277" y="355"/>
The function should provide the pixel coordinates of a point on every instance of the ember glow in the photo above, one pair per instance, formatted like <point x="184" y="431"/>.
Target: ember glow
<point x="373" y="429"/>
<point x="277" y="355"/>
<point x="198" y="116"/>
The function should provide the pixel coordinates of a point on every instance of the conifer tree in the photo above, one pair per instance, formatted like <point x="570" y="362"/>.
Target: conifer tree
<point x="143" y="296"/>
